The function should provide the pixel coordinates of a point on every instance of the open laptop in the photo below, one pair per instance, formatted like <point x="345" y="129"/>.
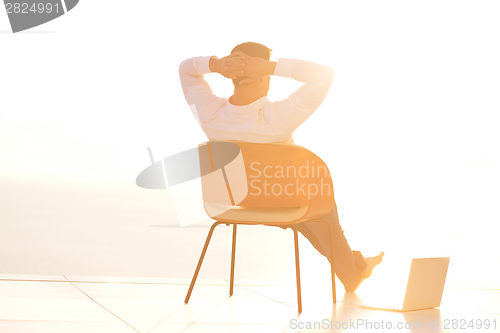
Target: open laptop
<point x="425" y="286"/>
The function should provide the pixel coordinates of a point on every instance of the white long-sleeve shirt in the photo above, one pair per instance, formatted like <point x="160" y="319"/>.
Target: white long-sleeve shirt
<point x="261" y="121"/>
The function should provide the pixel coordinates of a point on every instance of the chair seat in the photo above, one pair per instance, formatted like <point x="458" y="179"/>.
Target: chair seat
<point x="254" y="215"/>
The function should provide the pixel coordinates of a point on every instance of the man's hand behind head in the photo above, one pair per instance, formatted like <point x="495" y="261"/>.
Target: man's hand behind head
<point x="230" y="66"/>
<point x="253" y="68"/>
<point x="240" y="65"/>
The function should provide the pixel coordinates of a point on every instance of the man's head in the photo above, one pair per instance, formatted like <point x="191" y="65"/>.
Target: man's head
<point x="254" y="50"/>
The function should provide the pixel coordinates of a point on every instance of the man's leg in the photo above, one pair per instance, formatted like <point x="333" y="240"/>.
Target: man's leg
<point x="345" y="261"/>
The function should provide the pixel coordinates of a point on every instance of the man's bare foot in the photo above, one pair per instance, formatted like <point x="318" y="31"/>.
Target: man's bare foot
<point x="371" y="262"/>
<point x="365" y="267"/>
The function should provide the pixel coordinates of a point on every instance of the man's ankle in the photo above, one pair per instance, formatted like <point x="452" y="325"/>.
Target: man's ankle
<point x="360" y="261"/>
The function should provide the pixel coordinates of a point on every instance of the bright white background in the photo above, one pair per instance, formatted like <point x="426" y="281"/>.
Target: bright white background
<point x="409" y="128"/>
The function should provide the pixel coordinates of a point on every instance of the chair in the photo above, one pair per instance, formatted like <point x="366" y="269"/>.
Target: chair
<point x="231" y="173"/>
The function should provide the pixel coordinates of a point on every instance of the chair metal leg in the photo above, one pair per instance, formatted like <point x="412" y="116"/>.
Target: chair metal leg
<point x="297" y="268"/>
<point x="332" y="265"/>
<point x="200" y="261"/>
<point x="233" y="253"/>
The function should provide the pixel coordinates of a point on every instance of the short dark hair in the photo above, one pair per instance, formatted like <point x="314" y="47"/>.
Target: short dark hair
<point x="253" y="50"/>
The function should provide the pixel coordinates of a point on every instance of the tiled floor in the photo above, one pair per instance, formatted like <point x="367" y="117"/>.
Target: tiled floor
<point x="90" y="304"/>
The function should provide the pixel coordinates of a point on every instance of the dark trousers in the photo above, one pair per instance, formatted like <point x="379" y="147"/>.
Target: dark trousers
<point x="317" y="234"/>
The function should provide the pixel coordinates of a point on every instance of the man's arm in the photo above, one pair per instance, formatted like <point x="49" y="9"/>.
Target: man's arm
<point x="196" y="89"/>
<point x="317" y="78"/>
<point x="293" y="111"/>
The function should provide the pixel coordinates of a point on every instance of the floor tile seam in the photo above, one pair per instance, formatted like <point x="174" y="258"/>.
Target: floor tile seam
<point x="482" y="310"/>
<point x="159" y="283"/>
<point x="277" y="325"/>
<point x="93" y="300"/>
<point x="204" y="314"/>
<point x="265" y="285"/>
<point x="54" y="321"/>
<point x="486" y="289"/>
<point x="166" y="323"/>
<point x="150" y="283"/>
<point x="25" y="280"/>
<point x="274" y="300"/>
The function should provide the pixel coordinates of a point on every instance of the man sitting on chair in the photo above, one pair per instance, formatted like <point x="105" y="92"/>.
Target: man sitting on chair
<point x="249" y="116"/>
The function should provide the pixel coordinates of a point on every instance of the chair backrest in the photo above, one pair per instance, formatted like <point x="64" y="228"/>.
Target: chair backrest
<point x="263" y="175"/>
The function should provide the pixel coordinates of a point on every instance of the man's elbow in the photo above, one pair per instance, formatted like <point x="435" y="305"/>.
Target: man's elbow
<point x="185" y="69"/>
<point x="182" y="65"/>
<point x="329" y="73"/>
<point x="326" y="80"/>
<point x="186" y="65"/>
